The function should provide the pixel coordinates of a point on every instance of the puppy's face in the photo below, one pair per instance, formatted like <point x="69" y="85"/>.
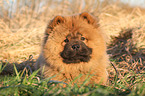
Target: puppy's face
<point x="75" y="50"/>
<point x="73" y="39"/>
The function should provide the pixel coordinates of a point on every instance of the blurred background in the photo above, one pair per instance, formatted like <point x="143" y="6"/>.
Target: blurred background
<point x="23" y="22"/>
<point x="73" y="6"/>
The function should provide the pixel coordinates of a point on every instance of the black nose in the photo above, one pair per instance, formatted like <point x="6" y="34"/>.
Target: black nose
<point x="76" y="47"/>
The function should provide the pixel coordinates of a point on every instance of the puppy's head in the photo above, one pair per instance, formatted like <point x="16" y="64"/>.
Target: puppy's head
<point x="73" y="39"/>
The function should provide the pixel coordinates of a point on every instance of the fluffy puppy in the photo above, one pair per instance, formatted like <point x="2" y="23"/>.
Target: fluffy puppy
<point x="74" y="45"/>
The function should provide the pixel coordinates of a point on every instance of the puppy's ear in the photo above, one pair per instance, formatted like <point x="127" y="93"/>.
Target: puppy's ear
<point x="90" y="19"/>
<point x="56" y="21"/>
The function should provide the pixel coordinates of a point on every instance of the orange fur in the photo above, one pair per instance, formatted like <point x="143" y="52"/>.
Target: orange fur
<point x="58" y="29"/>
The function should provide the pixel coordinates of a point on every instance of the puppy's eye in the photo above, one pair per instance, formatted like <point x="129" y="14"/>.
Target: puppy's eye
<point x="66" y="40"/>
<point x="83" y="38"/>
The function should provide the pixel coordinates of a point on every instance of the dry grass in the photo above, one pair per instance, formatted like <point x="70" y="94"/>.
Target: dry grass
<point x="21" y="35"/>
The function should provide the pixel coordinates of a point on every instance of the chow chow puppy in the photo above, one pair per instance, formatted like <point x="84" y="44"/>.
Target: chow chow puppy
<point x="74" y="45"/>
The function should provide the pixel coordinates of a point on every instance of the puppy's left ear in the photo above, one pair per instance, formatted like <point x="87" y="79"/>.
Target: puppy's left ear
<point x="90" y="19"/>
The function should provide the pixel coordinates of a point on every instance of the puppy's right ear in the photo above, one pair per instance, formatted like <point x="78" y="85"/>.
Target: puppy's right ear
<point x="56" y="21"/>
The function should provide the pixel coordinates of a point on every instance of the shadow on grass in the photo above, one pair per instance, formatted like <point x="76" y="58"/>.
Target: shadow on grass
<point x="128" y="59"/>
<point x="7" y="68"/>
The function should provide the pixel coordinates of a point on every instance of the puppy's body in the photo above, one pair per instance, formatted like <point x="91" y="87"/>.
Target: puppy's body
<point x="74" y="45"/>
